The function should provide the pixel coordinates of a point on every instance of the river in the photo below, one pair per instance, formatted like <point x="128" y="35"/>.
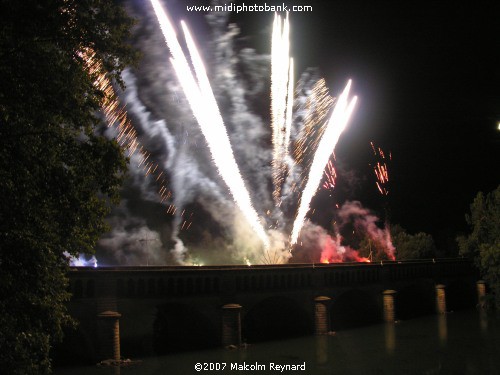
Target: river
<point x="464" y="342"/>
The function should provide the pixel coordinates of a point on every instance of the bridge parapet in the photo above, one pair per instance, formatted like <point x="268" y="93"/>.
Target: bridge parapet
<point x="144" y="282"/>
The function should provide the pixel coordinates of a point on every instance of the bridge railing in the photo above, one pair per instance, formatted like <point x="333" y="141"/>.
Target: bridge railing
<point x="144" y="282"/>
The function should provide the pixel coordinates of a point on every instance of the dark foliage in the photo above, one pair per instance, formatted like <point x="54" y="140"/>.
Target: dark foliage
<point x="58" y="178"/>
<point x="483" y="243"/>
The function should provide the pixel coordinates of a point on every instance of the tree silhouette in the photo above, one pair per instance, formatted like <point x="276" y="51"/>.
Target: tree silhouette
<point x="58" y="174"/>
<point x="483" y="243"/>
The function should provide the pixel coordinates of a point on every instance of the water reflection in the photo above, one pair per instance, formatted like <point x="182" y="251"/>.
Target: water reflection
<point x="483" y="320"/>
<point x="442" y="329"/>
<point x="457" y="343"/>
<point x="390" y="338"/>
<point x="322" y="349"/>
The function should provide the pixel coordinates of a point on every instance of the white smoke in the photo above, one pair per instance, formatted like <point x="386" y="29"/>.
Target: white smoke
<point x="131" y="241"/>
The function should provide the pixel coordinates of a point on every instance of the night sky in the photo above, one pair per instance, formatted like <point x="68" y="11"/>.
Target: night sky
<point x="427" y="76"/>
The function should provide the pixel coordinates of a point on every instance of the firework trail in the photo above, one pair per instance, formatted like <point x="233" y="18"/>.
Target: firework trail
<point x="330" y="176"/>
<point x="381" y="171"/>
<point x="116" y="115"/>
<point x="202" y="101"/>
<point x="317" y="106"/>
<point x="336" y="125"/>
<point x="281" y="100"/>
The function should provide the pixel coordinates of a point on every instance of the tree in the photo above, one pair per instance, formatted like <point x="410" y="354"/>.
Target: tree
<point x="58" y="175"/>
<point x="408" y="246"/>
<point x="483" y="243"/>
<point x="416" y="246"/>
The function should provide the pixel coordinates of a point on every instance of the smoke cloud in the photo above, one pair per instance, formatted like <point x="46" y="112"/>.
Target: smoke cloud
<point x="363" y="225"/>
<point x="131" y="241"/>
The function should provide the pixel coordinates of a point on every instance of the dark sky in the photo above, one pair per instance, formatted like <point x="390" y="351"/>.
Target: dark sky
<point x="428" y="77"/>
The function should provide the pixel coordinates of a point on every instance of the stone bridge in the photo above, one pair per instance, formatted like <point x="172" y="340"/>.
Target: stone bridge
<point x="156" y="310"/>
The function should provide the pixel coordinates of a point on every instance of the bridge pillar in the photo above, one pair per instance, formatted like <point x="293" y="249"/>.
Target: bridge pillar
<point x="109" y="335"/>
<point x="231" y="324"/>
<point x="321" y="315"/>
<point x="440" y="299"/>
<point x="481" y="293"/>
<point x="389" y="305"/>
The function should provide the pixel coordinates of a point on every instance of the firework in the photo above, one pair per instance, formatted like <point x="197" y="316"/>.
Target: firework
<point x="317" y="106"/>
<point x="202" y="101"/>
<point x="281" y="100"/>
<point x="314" y="147"/>
<point x="116" y="115"/>
<point x="330" y="175"/>
<point x="381" y="171"/>
<point x="336" y="125"/>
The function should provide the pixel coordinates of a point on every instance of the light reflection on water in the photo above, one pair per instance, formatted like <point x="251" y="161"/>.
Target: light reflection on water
<point x="466" y="342"/>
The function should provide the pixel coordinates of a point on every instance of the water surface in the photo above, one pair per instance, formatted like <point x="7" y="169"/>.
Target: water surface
<point x="466" y="342"/>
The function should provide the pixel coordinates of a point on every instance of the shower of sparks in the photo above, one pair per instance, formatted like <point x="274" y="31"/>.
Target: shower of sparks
<point x="116" y="115"/>
<point x="202" y="101"/>
<point x="330" y="176"/>
<point x="317" y="107"/>
<point x="381" y="170"/>
<point x="336" y="125"/>
<point x="281" y="101"/>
